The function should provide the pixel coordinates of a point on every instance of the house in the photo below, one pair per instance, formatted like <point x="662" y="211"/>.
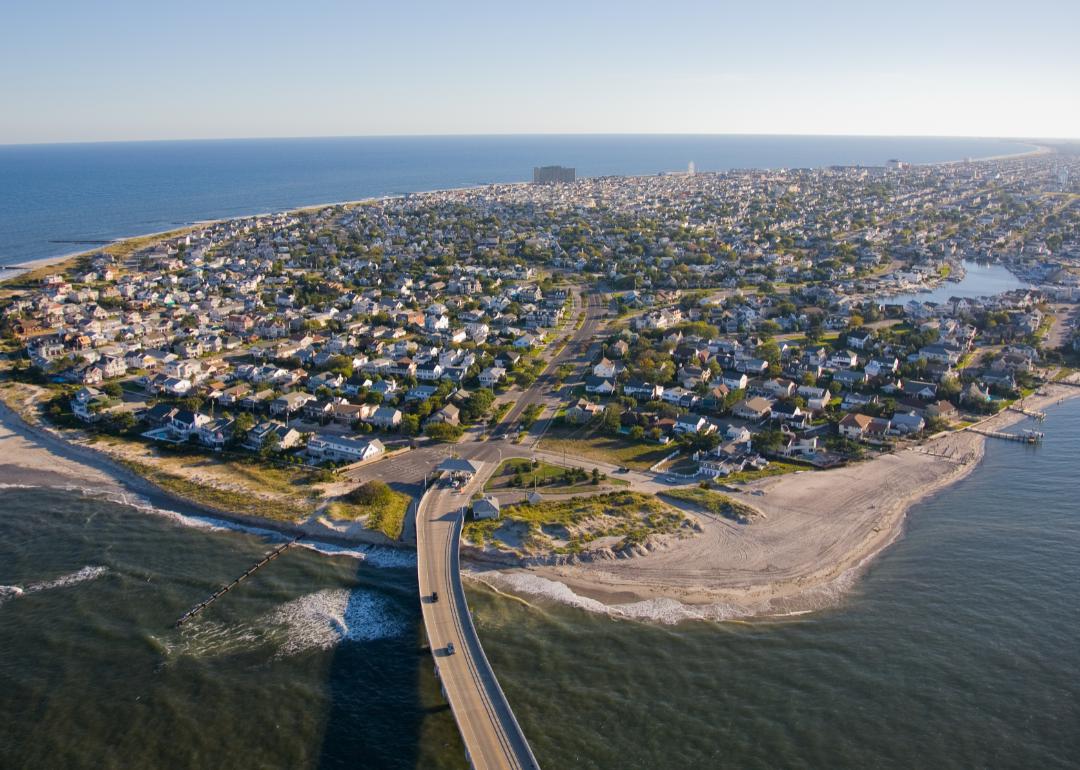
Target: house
<point x="604" y="368"/>
<point x="492" y="376"/>
<point x="942" y="410"/>
<point x="645" y="390"/>
<point x="215" y="434"/>
<point x="692" y="423"/>
<point x="385" y="417"/>
<point x="599" y="386"/>
<point x="923" y="390"/>
<point x="582" y="412"/>
<point x="486" y="507"/>
<point x="734" y="380"/>
<point x="905" y="423"/>
<point x="449" y="415"/>
<point x="755" y="408"/>
<point x="862" y="426"/>
<point x="290" y="403"/>
<point x="859" y="339"/>
<point x="287" y="438"/>
<point x="185" y="423"/>
<point x="338" y="448"/>
<point x="854" y="425"/>
<point x="843" y="359"/>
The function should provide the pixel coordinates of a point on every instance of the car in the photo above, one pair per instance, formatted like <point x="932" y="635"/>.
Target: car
<point x="434" y="596"/>
<point x="449" y="648"/>
<point x="622" y="469"/>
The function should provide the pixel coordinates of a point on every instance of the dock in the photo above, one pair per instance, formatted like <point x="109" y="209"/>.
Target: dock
<point x="230" y="586"/>
<point x="1026" y="437"/>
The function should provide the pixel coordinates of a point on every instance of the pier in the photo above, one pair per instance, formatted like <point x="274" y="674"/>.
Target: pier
<point x="1027" y="437"/>
<point x="230" y="586"/>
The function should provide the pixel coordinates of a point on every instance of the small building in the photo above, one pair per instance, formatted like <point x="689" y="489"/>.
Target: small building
<point x="486" y="507"/>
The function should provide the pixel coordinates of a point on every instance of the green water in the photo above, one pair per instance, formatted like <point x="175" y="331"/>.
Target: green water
<point x="958" y="648"/>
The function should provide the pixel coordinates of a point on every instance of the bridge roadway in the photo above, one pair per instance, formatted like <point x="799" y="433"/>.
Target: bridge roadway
<point x="492" y="736"/>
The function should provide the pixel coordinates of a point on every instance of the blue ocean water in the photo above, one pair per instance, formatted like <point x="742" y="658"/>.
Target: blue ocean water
<point x="81" y="192"/>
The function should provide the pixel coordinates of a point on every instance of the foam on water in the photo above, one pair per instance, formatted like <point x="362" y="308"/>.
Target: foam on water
<point x="81" y="576"/>
<point x="671" y="611"/>
<point x="376" y="556"/>
<point x="327" y="618"/>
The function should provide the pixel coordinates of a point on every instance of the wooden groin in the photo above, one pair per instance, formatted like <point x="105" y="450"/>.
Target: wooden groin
<point x="1032" y="413"/>
<point x="230" y="586"/>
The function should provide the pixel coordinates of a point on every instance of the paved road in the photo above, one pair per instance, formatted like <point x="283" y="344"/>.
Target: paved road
<point x="488" y="728"/>
<point x="492" y="736"/>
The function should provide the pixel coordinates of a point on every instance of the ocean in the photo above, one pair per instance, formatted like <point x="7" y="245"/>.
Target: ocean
<point x="52" y="197"/>
<point x="956" y="649"/>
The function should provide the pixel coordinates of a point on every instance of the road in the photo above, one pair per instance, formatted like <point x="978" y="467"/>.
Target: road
<point x="488" y="728"/>
<point x="492" y="736"/>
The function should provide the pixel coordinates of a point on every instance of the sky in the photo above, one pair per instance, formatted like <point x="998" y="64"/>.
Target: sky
<point x="146" y="69"/>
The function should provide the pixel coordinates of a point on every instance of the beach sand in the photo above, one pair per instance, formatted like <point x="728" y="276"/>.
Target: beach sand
<point x="817" y="531"/>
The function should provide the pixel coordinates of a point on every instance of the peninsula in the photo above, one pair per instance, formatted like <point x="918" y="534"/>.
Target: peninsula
<point x="687" y="389"/>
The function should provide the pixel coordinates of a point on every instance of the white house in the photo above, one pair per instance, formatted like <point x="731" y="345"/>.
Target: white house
<point x="328" y="447"/>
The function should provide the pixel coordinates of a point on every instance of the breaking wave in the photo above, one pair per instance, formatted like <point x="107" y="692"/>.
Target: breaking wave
<point x="671" y="611"/>
<point x="327" y="618"/>
<point x="317" y="621"/>
<point x="81" y="576"/>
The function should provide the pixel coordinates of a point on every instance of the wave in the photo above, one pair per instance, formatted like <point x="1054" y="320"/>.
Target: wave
<point x="8" y="593"/>
<point x="375" y="555"/>
<point x="327" y="618"/>
<point x="669" y="611"/>
<point x="317" y="621"/>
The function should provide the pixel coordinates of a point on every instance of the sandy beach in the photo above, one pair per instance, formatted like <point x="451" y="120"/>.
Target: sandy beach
<point x="816" y="532"/>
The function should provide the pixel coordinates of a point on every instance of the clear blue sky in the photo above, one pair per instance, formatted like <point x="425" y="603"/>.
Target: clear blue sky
<point x="90" y="70"/>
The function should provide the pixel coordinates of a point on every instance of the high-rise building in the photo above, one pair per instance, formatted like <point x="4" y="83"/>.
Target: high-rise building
<point x="553" y="175"/>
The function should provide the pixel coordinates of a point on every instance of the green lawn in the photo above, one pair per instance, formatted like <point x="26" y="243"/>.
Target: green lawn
<point x="547" y="476"/>
<point x="616" y="450"/>
<point x="775" y="468"/>
<point x="388" y="518"/>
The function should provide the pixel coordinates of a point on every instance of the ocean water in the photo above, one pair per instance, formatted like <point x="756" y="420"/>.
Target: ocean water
<point x="957" y="649"/>
<point x="88" y="192"/>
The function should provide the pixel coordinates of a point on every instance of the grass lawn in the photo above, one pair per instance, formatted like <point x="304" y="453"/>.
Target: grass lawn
<point x="713" y="502"/>
<point x="545" y="475"/>
<point x="616" y="450"/>
<point x="281" y="508"/>
<point x="388" y="518"/>
<point x="775" y="468"/>
<point x="566" y="526"/>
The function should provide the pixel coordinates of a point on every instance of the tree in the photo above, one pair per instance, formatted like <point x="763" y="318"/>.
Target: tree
<point x="373" y="493"/>
<point x="595" y="476"/>
<point x="442" y="431"/>
<point x="477" y="404"/>
<point x="270" y="444"/>
<point x="242" y="426"/>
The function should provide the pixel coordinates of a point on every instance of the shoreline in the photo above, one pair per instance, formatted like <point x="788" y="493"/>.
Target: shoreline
<point x="716" y="576"/>
<point x="817" y="537"/>
<point x="13" y="271"/>
<point x="53" y="461"/>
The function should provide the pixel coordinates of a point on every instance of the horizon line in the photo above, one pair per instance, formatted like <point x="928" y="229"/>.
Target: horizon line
<point x="1029" y="139"/>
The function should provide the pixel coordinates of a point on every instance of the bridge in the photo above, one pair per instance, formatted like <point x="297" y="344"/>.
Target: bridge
<point x="492" y="736"/>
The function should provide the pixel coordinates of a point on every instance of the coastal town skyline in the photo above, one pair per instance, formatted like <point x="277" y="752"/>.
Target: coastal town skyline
<point x="842" y="68"/>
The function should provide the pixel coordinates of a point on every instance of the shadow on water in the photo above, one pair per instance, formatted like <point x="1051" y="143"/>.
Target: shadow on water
<point x="386" y="709"/>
